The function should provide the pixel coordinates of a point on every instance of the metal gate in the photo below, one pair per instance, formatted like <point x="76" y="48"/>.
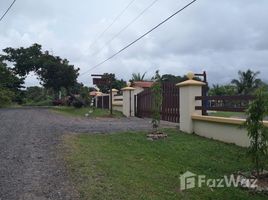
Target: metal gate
<point x="103" y="102"/>
<point x="170" y="103"/>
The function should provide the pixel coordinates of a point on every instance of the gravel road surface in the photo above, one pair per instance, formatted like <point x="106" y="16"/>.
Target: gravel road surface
<point x="31" y="166"/>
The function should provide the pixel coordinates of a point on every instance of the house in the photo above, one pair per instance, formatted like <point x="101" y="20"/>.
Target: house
<point x="141" y="85"/>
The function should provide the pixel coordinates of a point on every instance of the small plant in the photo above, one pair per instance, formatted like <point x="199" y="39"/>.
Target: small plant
<point x="257" y="132"/>
<point x="157" y="102"/>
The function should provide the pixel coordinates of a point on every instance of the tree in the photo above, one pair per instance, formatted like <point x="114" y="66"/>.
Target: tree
<point x="6" y="96"/>
<point x="8" y="79"/>
<point x="174" y="79"/>
<point x="157" y="101"/>
<point x="116" y="83"/>
<point x="247" y="82"/>
<point x="221" y="90"/>
<point x="25" y="59"/>
<point x="257" y="132"/>
<point x="138" y="77"/>
<point x="10" y="84"/>
<point x="54" y="72"/>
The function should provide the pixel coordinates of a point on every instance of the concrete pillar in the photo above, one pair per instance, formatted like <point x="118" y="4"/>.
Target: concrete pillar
<point x="188" y="91"/>
<point x="98" y="94"/>
<point x="114" y="92"/>
<point x="128" y="101"/>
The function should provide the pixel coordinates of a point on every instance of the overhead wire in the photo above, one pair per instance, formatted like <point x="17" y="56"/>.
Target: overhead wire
<point x="139" y="38"/>
<point x="8" y="9"/>
<point x="113" y="22"/>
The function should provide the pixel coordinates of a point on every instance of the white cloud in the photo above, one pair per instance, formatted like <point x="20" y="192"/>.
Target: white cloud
<point x="221" y="37"/>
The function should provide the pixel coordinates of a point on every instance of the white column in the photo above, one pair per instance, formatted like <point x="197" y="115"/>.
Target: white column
<point x="188" y="91"/>
<point x="98" y="94"/>
<point x="128" y="101"/>
<point x="114" y="92"/>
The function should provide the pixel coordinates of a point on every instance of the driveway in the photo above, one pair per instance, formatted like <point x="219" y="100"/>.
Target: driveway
<point x="31" y="166"/>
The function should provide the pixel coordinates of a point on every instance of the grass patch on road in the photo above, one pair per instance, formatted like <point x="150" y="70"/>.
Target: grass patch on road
<point x="80" y="112"/>
<point x="127" y="166"/>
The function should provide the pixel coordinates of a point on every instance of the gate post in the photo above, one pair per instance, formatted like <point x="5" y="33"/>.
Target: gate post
<point x="114" y="92"/>
<point x="188" y="91"/>
<point x="98" y="93"/>
<point x="128" y="101"/>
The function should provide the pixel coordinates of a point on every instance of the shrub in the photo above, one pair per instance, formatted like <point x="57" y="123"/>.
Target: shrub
<point x="77" y="104"/>
<point x="257" y="132"/>
<point x="5" y="97"/>
<point x="58" y="102"/>
<point x="157" y="102"/>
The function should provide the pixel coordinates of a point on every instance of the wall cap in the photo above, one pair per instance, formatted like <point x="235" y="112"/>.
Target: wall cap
<point x="190" y="82"/>
<point x="223" y="120"/>
<point x="114" y="90"/>
<point x="128" y="88"/>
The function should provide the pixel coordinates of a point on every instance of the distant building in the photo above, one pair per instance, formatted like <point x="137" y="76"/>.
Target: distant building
<point x="141" y="85"/>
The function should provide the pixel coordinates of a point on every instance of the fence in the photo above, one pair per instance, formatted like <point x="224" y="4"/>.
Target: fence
<point x="170" y="103"/>
<point x="103" y="102"/>
<point x="238" y="103"/>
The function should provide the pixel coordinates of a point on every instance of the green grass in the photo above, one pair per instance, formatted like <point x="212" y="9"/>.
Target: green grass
<point x="80" y="112"/>
<point x="127" y="166"/>
<point x="227" y="114"/>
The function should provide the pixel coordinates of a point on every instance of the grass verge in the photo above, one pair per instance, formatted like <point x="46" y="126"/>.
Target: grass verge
<point x="127" y="166"/>
<point x="227" y="114"/>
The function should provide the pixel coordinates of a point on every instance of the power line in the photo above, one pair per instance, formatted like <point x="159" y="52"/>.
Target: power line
<point x="7" y="10"/>
<point x="139" y="38"/>
<point x="115" y="19"/>
<point x="123" y="29"/>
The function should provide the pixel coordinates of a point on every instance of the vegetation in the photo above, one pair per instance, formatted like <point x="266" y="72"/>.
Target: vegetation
<point x="10" y="86"/>
<point x="53" y="72"/>
<point x="82" y="112"/>
<point x="116" y="83"/>
<point x="175" y="79"/>
<point x="127" y="166"/>
<point x="157" y="101"/>
<point x="138" y="77"/>
<point x="247" y="82"/>
<point x="257" y="132"/>
<point x="221" y="90"/>
<point x="6" y="97"/>
<point x="227" y="114"/>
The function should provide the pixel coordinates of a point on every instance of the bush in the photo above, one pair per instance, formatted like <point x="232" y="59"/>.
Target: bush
<point x="77" y="104"/>
<point x="58" y="102"/>
<point x="257" y="132"/>
<point x="5" y="97"/>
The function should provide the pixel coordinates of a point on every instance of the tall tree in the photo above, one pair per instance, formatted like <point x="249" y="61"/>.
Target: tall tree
<point x="8" y="78"/>
<point x="116" y="83"/>
<point x="25" y="60"/>
<point x="247" y="82"/>
<point x="54" y="72"/>
<point x="138" y="76"/>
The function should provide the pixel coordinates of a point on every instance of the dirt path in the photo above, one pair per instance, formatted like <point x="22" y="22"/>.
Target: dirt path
<point x="30" y="166"/>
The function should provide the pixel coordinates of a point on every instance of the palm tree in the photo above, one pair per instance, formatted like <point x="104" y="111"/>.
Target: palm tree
<point x="247" y="82"/>
<point x="138" y="77"/>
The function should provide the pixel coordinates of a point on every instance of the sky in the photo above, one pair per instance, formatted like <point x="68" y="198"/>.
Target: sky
<point x="220" y="37"/>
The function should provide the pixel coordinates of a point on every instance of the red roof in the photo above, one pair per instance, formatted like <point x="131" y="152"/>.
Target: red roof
<point x="143" y="84"/>
<point x="93" y="93"/>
